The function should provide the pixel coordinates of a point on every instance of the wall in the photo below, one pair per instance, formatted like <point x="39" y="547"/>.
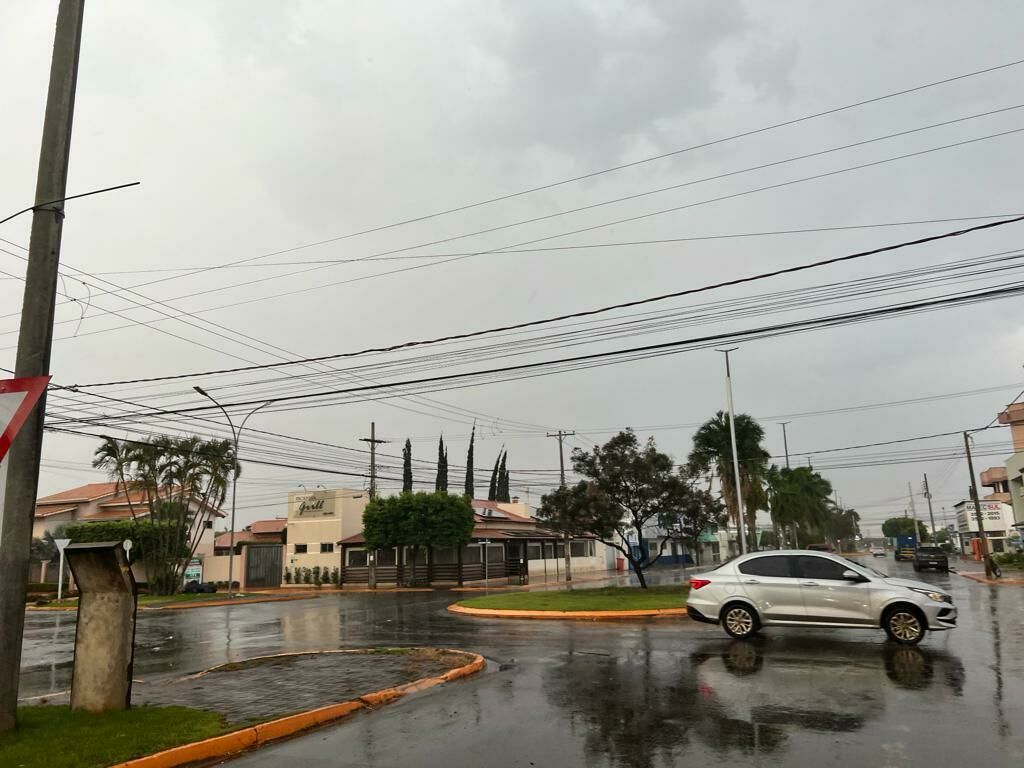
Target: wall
<point x="322" y="516"/>
<point x="1015" y="475"/>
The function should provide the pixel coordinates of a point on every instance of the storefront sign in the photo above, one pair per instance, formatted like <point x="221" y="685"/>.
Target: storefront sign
<point x="313" y="505"/>
<point x="194" y="570"/>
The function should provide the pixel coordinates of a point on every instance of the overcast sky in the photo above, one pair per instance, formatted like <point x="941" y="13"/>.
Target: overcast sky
<point x="258" y="127"/>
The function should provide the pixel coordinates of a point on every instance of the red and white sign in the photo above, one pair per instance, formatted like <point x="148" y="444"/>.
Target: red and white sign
<point x="17" y="399"/>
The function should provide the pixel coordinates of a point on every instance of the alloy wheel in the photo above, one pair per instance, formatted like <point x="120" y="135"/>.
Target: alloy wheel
<point x="905" y="626"/>
<point x="739" y="622"/>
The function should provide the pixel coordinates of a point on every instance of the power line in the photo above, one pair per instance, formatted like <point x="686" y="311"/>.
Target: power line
<point x="583" y="313"/>
<point x="70" y="197"/>
<point x="672" y="347"/>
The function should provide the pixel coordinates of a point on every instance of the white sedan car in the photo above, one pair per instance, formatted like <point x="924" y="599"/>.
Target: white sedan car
<point x="816" y="589"/>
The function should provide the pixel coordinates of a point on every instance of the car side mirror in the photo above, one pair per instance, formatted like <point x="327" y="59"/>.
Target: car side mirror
<point x="853" y="576"/>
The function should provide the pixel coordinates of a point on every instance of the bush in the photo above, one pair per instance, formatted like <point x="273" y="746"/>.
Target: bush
<point x="334" y="576"/>
<point x="1010" y="559"/>
<point x="307" y="576"/>
<point x="316" y="575"/>
<point x="287" y="575"/>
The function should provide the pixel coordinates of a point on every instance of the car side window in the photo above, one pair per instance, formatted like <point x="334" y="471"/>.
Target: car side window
<point x="770" y="565"/>
<point x="820" y="568"/>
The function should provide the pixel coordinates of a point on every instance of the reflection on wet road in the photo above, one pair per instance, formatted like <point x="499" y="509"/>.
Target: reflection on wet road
<point x="651" y="694"/>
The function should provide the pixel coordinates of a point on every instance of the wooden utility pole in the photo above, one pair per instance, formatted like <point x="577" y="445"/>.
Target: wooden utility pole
<point x="374" y="442"/>
<point x="561" y="435"/>
<point x="983" y="541"/>
<point x="34" y="342"/>
<point x="928" y="495"/>
<point x="785" y="442"/>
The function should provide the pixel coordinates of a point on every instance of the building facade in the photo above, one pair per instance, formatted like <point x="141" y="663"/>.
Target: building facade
<point x="997" y="517"/>
<point x="317" y="521"/>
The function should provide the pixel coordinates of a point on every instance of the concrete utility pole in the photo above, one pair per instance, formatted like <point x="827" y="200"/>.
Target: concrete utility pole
<point x="561" y="435"/>
<point x="913" y="513"/>
<point x="977" y="507"/>
<point x="928" y="495"/>
<point x="735" y="457"/>
<point x="374" y="442"/>
<point x="235" y="434"/>
<point x="785" y="442"/>
<point x="34" y="342"/>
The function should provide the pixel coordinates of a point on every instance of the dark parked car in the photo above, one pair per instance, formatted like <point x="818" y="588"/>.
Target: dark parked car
<point x="929" y="556"/>
<point x="196" y="587"/>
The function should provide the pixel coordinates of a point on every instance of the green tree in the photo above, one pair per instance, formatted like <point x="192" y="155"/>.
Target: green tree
<point x="417" y="520"/>
<point x="469" y="486"/>
<point x="903" y="526"/>
<point x="441" y="483"/>
<point x="712" y="456"/>
<point x="696" y="512"/>
<point x="640" y="486"/>
<point x="503" y="493"/>
<point x="407" y="467"/>
<point x="177" y="484"/>
<point x="492" y="491"/>
<point x="800" y="501"/>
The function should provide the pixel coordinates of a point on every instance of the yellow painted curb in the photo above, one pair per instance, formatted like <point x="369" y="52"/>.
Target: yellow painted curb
<point x="490" y="613"/>
<point x="273" y="730"/>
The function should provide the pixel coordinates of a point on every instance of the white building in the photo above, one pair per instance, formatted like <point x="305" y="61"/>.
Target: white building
<point x="998" y="520"/>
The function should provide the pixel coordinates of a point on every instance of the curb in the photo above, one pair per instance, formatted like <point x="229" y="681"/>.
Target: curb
<point x="489" y="613"/>
<point x="978" y="577"/>
<point x="184" y="606"/>
<point x="258" y="735"/>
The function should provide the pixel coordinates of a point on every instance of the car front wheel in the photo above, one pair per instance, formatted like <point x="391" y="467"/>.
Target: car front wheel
<point x="904" y="625"/>
<point x="739" y="620"/>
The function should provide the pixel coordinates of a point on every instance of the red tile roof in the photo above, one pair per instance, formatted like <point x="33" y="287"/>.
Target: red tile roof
<point x="82" y="493"/>
<point x="223" y="540"/>
<point x="277" y="525"/>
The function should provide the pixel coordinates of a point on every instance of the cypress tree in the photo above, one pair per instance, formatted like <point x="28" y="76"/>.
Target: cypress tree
<point x="407" y="467"/>
<point x="469" y="464"/>
<point x="441" y="483"/>
<point x="492" y="493"/>
<point x="503" y="490"/>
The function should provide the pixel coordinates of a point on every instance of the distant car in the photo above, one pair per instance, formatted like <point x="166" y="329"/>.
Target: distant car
<point x="877" y="551"/>
<point x="816" y="589"/>
<point x="930" y="556"/>
<point x="197" y="587"/>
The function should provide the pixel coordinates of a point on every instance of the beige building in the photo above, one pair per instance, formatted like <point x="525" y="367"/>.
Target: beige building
<point x="317" y="521"/>
<point x="1013" y="469"/>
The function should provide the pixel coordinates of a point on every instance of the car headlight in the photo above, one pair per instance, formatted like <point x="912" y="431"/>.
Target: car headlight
<point x="939" y="597"/>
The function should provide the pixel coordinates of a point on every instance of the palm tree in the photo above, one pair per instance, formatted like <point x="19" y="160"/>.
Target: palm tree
<point x="800" y="501"/>
<point x="712" y="455"/>
<point x="118" y="458"/>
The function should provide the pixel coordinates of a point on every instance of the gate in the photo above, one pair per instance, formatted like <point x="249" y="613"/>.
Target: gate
<point x="263" y="565"/>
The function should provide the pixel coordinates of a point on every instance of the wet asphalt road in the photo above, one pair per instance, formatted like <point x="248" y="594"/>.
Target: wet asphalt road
<point x="640" y="694"/>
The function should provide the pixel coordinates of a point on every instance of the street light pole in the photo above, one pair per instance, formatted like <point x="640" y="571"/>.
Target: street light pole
<point x="735" y="456"/>
<point x="236" y="434"/>
<point x="785" y="442"/>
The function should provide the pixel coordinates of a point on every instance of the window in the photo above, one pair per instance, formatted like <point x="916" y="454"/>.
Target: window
<point x="533" y="551"/>
<point x="591" y="549"/>
<point x="578" y="548"/>
<point x="326" y="547"/>
<point x="471" y="554"/>
<point x="386" y="557"/>
<point x="300" y="549"/>
<point x="208" y="524"/>
<point x="495" y="553"/>
<point x="549" y="550"/>
<point x="820" y="568"/>
<point x="773" y="565"/>
<point x="560" y="550"/>
<point x="444" y="555"/>
<point x="357" y="558"/>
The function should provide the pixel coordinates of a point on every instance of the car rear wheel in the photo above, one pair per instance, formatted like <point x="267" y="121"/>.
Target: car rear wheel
<point x="904" y="625"/>
<point x="739" y="620"/>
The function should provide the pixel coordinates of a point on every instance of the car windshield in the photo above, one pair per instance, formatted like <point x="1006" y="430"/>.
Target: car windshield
<point x="867" y="568"/>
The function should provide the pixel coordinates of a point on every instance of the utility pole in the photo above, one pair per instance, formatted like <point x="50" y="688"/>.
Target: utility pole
<point x="913" y="513"/>
<point x="561" y="435"/>
<point x="977" y="507"/>
<point x="928" y="495"/>
<point x="785" y="442"/>
<point x="34" y="343"/>
<point x="374" y="442"/>
<point x="735" y="457"/>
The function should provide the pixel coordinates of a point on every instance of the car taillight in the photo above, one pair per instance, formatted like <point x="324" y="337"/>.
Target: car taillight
<point x="698" y="583"/>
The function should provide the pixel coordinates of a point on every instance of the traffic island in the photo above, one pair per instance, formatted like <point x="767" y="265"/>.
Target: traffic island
<point x="666" y="601"/>
<point x="231" y="708"/>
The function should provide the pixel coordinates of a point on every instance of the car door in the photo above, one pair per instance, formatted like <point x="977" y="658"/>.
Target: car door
<point x="771" y="583"/>
<point x="828" y="597"/>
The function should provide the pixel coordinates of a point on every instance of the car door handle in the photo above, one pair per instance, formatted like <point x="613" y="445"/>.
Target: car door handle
<point x="809" y="584"/>
<point x="751" y="581"/>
